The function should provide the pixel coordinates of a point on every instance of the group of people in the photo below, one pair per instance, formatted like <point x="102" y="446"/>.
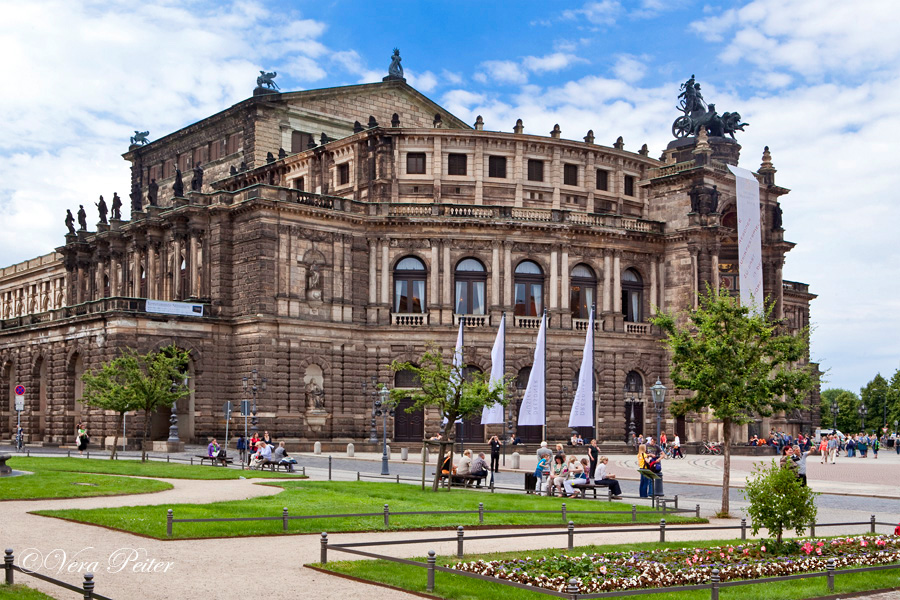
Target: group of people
<point x="473" y="467"/>
<point x="666" y="447"/>
<point x="260" y="452"/>
<point x="561" y="474"/>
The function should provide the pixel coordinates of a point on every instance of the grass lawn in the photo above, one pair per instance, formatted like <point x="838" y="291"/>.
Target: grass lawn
<point x="332" y="497"/>
<point x="459" y="587"/>
<point x="21" y="592"/>
<point x="136" y="467"/>
<point x="57" y="484"/>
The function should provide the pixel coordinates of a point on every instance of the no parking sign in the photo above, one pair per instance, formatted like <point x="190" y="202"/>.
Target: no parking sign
<point x="20" y="398"/>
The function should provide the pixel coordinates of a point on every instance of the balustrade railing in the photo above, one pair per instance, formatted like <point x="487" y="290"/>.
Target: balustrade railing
<point x="409" y="319"/>
<point x="528" y="322"/>
<point x="637" y="328"/>
<point x="473" y="320"/>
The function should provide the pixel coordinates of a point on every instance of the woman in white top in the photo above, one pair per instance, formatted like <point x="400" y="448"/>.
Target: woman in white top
<point x="676" y="447"/>
<point x="577" y="475"/>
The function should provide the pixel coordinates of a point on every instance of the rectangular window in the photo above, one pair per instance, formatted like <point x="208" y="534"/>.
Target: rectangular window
<point x="602" y="180"/>
<point x="570" y="174"/>
<point x="535" y="170"/>
<point x="456" y="164"/>
<point x="201" y="155"/>
<point x="216" y="150"/>
<point x="497" y="167"/>
<point x="184" y="162"/>
<point x="169" y="168"/>
<point x="299" y="141"/>
<point x="298" y="184"/>
<point x="154" y="173"/>
<point x="233" y="143"/>
<point x="629" y="185"/>
<point x="415" y="163"/>
<point x="373" y="171"/>
<point x="343" y="172"/>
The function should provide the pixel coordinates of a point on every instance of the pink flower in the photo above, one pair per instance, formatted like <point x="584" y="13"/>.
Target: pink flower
<point x="688" y="561"/>
<point x="603" y="570"/>
<point x="696" y="558"/>
<point x="864" y="543"/>
<point x="762" y="548"/>
<point x="746" y="550"/>
<point x="819" y="551"/>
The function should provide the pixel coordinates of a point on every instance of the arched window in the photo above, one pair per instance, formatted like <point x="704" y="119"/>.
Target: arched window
<point x="406" y="379"/>
<point x="529" y="281"/>
<point x="183" y="274"/>
<point x="470" y="279"/>
<point x="582" y="291"/>
<point x="409" y="286"/>
<point x="632" y="296"/>
<point x="106" y="286"/>
<point x="634" y="384"/>
<point x="143" y="293"/>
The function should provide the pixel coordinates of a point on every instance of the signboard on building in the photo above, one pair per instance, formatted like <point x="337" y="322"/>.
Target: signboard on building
<point x="183" y="309"/>
<point x="20" y="403"/>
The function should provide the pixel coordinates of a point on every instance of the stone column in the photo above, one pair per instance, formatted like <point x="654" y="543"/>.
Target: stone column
<point x="495" y="273"/>
<point x="695" y="276"/>
<point x="662" y="283"/>
<point x="447" y="280"/>
<point x="194" y="265"/>
<point x="564" y="287"/>
<point x="385" y="271"/>
<point x="176" y="268"/>
<point x="779" y="290"/>
<point x="617" y="282"/>
<point x="373" y="271"/>
<point x="714" y="268"/>
<point x="337" y="281"/>
<point x="434" y="286"/>
<point x="554" y="278"/>
<point x="507" y="274"/>
<point x="98" y="283"/>
<point x="607" y="282"/>
<point x="653" y="288"/>
<point x="136" y="272"/>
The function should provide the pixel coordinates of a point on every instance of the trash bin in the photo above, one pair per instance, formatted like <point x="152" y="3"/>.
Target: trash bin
<point x="658" y="485"/>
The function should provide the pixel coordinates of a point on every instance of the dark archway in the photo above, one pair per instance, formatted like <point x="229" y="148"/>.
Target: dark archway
<point x="529" y="434"/>
<point x="408" y="426"/>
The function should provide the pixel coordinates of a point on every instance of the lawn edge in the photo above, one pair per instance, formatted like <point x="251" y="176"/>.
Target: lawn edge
<point x="96" y="496"/>
<point x="314" y="567"/>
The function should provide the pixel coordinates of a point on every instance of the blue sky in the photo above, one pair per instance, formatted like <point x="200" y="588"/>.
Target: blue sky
<point x="817" y="81"/>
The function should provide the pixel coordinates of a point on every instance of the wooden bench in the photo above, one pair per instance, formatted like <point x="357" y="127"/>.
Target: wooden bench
<point x="276" y="466"/>
<point x="214" y="460"/>
<point x="583" y="489"/>
<point x="463" y="480"/>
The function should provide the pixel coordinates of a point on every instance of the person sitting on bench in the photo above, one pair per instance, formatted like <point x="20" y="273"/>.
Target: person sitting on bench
<point x="604" y="477"/>
<point x="479" y="467"/>
<point x="577" y="475"/>
<point x="280" y="456"/>
<point x="215" y="453"/>
<point x="263" y="455"/>
<point x="465" y="464"/>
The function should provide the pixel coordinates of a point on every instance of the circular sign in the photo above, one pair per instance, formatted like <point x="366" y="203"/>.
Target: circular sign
<point x="20" y="390"/>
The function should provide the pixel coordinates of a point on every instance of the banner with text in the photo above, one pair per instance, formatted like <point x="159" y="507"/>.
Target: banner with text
<point x="532" y="410"/>
<point x="749" y="239"/>
<point x="494" y="413"/>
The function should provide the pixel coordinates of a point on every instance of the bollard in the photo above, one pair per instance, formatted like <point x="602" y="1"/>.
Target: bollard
<point x="634" y="513"/>
<point x="812" y="529"/>
<point x="398" y="477"/>
<point x="404" y="453"/>
<point x="192" y="461"/>
<point x="303" y="470"/>
<point x="317" y="448"/>
<point x="481" y="513"/>
<point x="388" y="448"/>
<point x="284" y="518"/>
<point x="429" y="587"/>
<point x="357" y="475"/>
<point x="169" y="523"/>
<point x="89" y="455"/>
<point x="8" y="565"/>
<point x="829" y="568"/>
<point x="459" y="541"/>
<point x="571" y="534"/>
<point x="572" y="588"/>
<point x="676" y="501"/>
<point x="564" y="512"/>
<point x="872" y="524"/>
<point x="323" y="555"/>
<point x="743" y="529"/>
<point x="88" y="586"/>
<point x="515" y="460"/>
<point x="387" y="516"/>
<point x="329" y="466"/>
<point x="714" y="581"/>
<point x="662" y="530"/>
<point x="697" y="510"/>
<point x="426" y="453"/>
<point x="68" y="454"/>
<point x="350" y="450"/>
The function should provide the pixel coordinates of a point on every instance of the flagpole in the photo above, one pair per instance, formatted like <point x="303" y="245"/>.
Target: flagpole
<point x="545" y="324"/>
<point x="593" y="378"/>
<point x="462" y="345"/>
<point x="506" y="412"/>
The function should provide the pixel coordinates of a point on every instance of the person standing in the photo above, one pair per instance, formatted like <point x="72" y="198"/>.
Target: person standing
<point x="82" y="438"/>
<point x="495" y="454"/>
<point x="832" y="447"/>
<point x="646" y="485"/>
<point x="823" y="448"/>
<point x="799" y="457"/>
<point x="676" y="447"/>
<point x="593" y="457"/>
<point x="242" y="448"/>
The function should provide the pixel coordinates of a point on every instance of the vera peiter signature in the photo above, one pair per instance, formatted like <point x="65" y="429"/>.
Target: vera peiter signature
<point x="123" y="560"/>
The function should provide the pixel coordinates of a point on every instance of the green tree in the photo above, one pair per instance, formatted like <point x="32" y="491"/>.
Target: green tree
<point x="875" y="396"/>
<point x="848" y="406"/>
<point x="445" y="386"/>
<point x="893" y="398"/>
<point x="133" y="381"/>
<point x="737" y="363"/>
<point x="778" y="501"/>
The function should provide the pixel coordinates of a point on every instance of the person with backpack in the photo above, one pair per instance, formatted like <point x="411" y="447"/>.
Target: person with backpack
<point x="646" y="485"/>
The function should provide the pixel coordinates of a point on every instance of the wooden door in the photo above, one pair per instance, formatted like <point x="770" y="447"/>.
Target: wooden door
<point x="408" y="426"/>
<point x="471" y="430"/>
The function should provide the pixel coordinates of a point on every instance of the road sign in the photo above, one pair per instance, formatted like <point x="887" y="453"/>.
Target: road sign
<point x="20" y="402"/>
<point x="20" y="390"/>
<point x="245" y="408"/>
<point x="227" y="408"/>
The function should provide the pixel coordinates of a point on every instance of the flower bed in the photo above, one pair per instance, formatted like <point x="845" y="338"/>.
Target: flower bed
<point x="616" y="571"/>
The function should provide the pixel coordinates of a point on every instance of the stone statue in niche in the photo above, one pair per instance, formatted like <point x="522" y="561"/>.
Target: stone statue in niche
<point x="776" y="217"/>
<point x="152" y="192"/>
<point x="314" y="282"/>
<point x="197" y="179"/>
<point x="315" y="396"/>
<point x="704" y="200"/>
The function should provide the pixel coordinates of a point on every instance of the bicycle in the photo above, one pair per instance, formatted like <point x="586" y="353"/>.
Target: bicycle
<point x="20" y="440"/>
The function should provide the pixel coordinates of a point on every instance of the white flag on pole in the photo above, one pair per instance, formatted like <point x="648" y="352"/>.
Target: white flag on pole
<point x="582" y="414"/>
<point x="531" y="412"/>
<point x="749" y="239"/>
<point x="494" y="414"/>
<point x="457" y="366"/>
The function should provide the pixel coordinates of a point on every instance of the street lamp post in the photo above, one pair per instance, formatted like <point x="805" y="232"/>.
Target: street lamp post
<point x="630" y="391"/>
<point x="252" y="386"/>
<point x="373" y="432"/>
<point x="658" y="390"/>
<point x="862" y="417"/>
<point x="385" y="409"/>
<point x="173" y="417"/>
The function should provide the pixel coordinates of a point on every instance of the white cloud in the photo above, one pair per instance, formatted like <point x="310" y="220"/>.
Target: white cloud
<point x="604" y="12"/>
<point x="550" y="62"/>
<point x="504" y="71"/>
<point x="424" y="82"/>
<point x="450" y="77"/>
<point x="629" y="68"/>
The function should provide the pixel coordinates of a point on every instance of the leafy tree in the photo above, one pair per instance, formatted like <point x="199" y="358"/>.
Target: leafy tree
<point x="445" y="386"/>
<point x="848" y="405"/>
<point x="875" y="396"/>
<point x="738" y="364"/>
<point x="893" y="399"/>
<point x="135" y="381"/>
<point x="778" y="501"/>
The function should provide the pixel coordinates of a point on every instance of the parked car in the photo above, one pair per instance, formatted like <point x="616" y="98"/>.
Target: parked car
<point x="829" y="431"/>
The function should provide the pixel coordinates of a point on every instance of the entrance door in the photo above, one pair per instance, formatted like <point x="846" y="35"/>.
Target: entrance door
<point x="638" y="407"/>
<point x="529" y="434"/>
<point x="680" y="429"/>
<point x="408" y="426"/>
<point x="471" y="430"/>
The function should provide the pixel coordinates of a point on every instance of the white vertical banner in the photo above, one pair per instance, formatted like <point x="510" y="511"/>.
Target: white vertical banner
<point x="582" y="414"/>
<point x="457" y="362"/>
<point x="494" y="413"/>
<point x="532" y="410"/>
<point x="749" y="239"/>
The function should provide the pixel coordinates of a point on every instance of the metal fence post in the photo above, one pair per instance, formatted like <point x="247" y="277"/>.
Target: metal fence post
<point x="571" y="535"/>
<point x="481" y="513"/>
<point x="564" y="512"/>
<point x="662" y="530"/>
<point x="429" y="587"/>
<point x="398" y="477"/>
<point x="872" y="524"/>
<point x="697" y="510"/>
<point x="8" y="565"/>
<point x="829" y="567"/>
<point x="634" y="513"/>
<point x="323" y="555"/>
<point x="387" y="516"/>
<point x="88" y="586"/>
<point x="572" y="589"/>
<point x="676" y="501"/>
<point x="169" y="523"/>
<point x="714" y="583"/>
<point x="329" y="467"/>
<point x="812" y="529"/>
<point x="192" y="461"/>
<point x="284" y="518"/>
<point x="304" y="470"/>
<point x="459" y="541"/>
<point x="743" y="529"/>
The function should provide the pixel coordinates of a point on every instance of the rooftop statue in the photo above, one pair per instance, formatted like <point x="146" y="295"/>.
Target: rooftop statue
<point x="82" y="218"/>
<point x="70" y="222"/>
<point x="698" y="114"/>
<point x="116" y="206"/>
<point x="102" y="210"/>
<point x="140" y="138"/>
<point x="395" y="71"/>
<point x="267" y="80"/>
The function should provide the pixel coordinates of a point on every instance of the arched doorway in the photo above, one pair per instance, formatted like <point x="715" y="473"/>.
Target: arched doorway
<point x="7" y="398"/>
<point x="470" y="430"/>
<point x="529" y="434"/>
<point x="75" y="412"/>
<point x="408" y="426"/>
<point x="38" y="406"/>
<point x="184" y="410"/>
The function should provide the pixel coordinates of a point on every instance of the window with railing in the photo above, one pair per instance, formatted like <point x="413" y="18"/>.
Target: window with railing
<point x="470" y="280"/>
<point x="632" y="296"/>
<point x="529" y="289"/>
<point x="409" y="286"/>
